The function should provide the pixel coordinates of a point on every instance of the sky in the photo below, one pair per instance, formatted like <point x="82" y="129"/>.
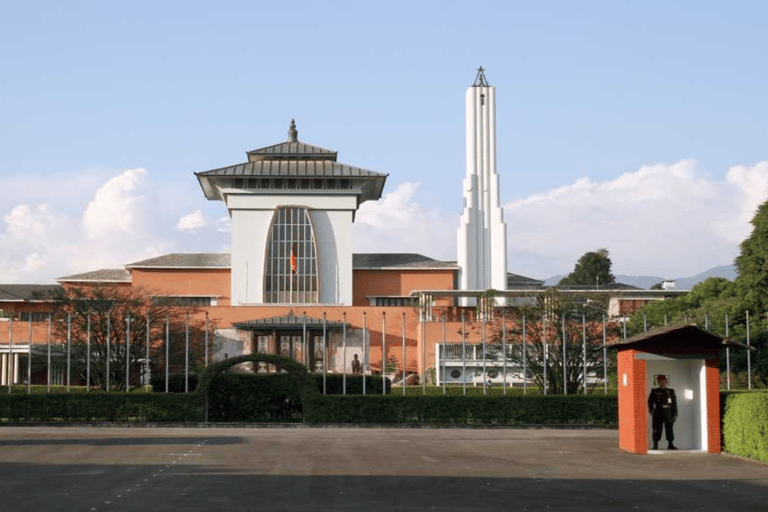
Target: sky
<point x="636" y="126"/>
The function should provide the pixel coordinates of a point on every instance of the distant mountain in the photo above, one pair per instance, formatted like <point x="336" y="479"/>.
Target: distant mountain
<point x="681" y="283"/>
<point x="726" y="271"/>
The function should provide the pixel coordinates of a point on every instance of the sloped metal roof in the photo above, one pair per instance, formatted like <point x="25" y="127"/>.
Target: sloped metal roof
<point x="27" y="292"/>
<point x="518" y="281"/>
<point x="286" y="322"/>
<point x="401" y="261"/>
<point x="677" y="334"/>
<point x="105" y="275"/>
<point x="293" y="150"/>
<point x="224" y="260"/>
<point x="292" y="168"/>
<point x="186" y="260"/>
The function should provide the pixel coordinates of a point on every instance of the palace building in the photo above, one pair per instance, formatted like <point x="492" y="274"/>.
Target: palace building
<point x="292" y="285"/>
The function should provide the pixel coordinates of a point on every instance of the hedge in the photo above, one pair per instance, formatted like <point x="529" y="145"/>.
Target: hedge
<point x="745" y="424"/>
<point x="86" y="407"/>
<point x="463" y="410"/>
<point x="255" y="397"/>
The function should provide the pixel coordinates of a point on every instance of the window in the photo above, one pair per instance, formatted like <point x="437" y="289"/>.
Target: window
<point x="36" y="316"/>
<point x="182" y="301"/>
<point x="290" y="273"/>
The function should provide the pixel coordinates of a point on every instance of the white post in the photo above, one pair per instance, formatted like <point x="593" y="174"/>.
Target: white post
<point x="403" y="361"/>
<point x="344" y="353"/>
<point x="384" y="353"/>
<point x="127" y="353"/>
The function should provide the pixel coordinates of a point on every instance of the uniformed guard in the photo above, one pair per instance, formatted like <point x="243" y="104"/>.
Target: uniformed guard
<point x="662" y="404"/>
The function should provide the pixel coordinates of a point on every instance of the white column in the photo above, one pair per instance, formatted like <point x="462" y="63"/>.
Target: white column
<point x="4" y="369"/>
<point x="481" y="240"/>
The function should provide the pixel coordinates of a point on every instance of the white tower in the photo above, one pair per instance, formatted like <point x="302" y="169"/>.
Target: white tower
<point x="482" y="238"/>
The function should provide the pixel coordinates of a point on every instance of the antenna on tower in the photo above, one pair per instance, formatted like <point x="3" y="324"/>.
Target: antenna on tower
<point x="480" y="80"/>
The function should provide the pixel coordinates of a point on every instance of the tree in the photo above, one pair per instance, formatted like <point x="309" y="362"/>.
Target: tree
<point x="95" y="322"/>
<point x="593" y="268"/>
<point x="555" y="331"/>
<point x="752" y="262"/>
<point x="721" y="306"/>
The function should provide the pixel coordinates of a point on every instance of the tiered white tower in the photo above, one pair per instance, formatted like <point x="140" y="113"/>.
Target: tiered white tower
<point x="482" y="238"/>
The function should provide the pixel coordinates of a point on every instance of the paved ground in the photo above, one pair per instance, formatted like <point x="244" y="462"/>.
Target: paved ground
<point x="150" y="469"/>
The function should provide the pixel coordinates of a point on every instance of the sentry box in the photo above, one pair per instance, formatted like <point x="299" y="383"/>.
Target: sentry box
<point x="689" y="357"/>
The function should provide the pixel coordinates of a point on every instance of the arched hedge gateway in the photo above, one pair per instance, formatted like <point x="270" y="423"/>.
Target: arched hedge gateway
<point x="307" y="385"/>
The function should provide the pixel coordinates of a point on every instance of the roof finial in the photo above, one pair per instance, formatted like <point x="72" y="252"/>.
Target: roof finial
<point x="293" y="134"/>
<point x="480" y="80"/>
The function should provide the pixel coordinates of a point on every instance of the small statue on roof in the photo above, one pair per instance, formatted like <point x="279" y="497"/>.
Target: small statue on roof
<point x="293" y="134"/>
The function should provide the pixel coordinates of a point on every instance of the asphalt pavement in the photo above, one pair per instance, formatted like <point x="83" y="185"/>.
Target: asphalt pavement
<point x="305" y="468"/>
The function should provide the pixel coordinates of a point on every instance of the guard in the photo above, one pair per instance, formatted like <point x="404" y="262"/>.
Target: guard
<point x="662" y="404"/>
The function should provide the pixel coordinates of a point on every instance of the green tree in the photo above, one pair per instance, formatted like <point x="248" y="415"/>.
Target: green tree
<point x="752" y="262"/>
<point x="706" y="304"/>
<point x="716" y="303"/>
<point x="593" y="268"/>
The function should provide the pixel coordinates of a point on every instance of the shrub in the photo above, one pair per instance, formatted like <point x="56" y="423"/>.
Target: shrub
<point x="745" y="424"/>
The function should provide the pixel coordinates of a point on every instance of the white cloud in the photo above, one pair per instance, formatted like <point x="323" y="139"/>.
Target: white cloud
<point x="397" y="223"/>
<point x="41" y="241"/>
<point x="197" y="221"/>
<point x="118" y="221"/>
<point x="117" y="205"/>
<point x="670" y="220"/>
<point x="192" y="222"/>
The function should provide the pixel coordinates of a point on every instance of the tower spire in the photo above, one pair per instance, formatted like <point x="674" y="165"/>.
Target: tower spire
<point x="480" y="80"/>
<point x="482" y="236"/>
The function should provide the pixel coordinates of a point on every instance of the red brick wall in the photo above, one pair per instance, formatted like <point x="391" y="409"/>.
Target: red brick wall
<point x="633" y="421"/>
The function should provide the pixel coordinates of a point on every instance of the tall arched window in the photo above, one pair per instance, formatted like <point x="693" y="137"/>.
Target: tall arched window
<point x="290" y="272"/>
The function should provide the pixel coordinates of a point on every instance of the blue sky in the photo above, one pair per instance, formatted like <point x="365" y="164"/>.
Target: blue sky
<point x="640" y="127"/>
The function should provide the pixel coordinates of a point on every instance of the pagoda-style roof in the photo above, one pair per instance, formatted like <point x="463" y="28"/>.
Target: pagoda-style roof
<point x="292" y="167"/>
<point x="292" y="148"/>
<point x="289" y="322"/>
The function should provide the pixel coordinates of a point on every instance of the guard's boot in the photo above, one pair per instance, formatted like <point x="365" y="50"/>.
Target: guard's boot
<point x="671" y="447"/>
<point x="655" y="445"/>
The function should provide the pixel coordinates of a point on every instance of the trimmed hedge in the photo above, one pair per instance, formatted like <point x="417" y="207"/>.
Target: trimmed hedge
<point x="463" y="410"/>
<point x="334" y="384"/>
<point x="271" y="397"/>
<point x="43" y="388"/>
<point x="745" y="424"/>
<point x="454" y="390"/>
<point x="176" y="383"/>
<point x="85" y="407"/>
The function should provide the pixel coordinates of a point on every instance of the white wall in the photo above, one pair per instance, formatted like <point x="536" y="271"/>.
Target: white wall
<point x="249" y="236"/>
<point x="686" y="377"/>
<point x="333" y="232"/>
<point x="331" y="218"/>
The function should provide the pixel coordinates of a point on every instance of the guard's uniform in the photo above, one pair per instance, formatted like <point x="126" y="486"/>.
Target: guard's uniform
<point x="662" y="404"/>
